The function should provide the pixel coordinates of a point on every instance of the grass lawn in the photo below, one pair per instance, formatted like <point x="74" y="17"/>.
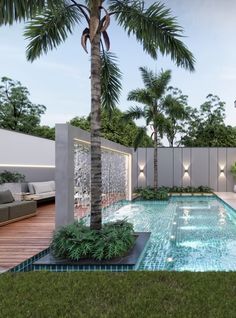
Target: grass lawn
<point x="134" y="295"/>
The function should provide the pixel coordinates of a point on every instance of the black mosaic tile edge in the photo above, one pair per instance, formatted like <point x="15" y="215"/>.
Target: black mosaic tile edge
<point x="87" y="268"/>
<point x="26" y="266"/>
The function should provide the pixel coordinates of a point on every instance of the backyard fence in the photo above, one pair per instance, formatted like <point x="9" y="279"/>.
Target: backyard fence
<point x="185" y="167"/>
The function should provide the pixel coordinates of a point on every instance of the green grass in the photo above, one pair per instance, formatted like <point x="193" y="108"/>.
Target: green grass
<point x="121" y="295"/>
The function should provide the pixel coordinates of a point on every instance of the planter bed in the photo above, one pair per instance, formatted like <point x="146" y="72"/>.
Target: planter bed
<point x="128" y="262"/>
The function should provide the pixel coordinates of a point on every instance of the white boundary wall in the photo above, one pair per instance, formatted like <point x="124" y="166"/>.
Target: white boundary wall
<point x="32" y="156"/>
<point x="203" y="167"/>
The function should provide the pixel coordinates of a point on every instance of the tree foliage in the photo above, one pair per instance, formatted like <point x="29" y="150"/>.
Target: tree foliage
<point x="114" y="129"/>
<point x="176" y="112"/>
<point x="206" y="127"/>
<point x="17" y="112"/>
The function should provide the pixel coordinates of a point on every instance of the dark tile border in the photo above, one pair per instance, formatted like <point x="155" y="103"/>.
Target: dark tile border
<point x="128" y="262"/>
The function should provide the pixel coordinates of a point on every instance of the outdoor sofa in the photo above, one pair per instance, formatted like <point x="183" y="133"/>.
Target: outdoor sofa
<point x="11" y="210"/>
<point x="41" y="191"/>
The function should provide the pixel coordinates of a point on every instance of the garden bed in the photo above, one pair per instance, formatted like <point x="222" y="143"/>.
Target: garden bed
<point x="130" y="261"/>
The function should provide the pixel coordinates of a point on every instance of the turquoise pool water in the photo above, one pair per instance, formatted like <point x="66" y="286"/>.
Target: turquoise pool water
<point x="188" y="233"/>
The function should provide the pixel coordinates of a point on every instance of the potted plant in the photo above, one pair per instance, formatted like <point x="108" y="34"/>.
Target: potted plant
<point x="13" y="181"/>
<point x="233" y="172"/>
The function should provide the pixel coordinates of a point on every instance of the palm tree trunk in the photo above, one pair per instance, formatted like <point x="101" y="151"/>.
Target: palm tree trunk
<point x="155" y="159"/>
<point x="96" y="162"/>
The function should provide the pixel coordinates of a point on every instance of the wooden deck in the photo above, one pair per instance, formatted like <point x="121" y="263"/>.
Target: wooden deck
<point x="23" y="239"/>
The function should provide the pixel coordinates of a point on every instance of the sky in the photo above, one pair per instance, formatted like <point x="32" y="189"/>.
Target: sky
<point x="60" y="79"/>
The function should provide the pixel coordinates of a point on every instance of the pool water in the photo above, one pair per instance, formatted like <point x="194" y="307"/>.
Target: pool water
<point x="187" y="233"/>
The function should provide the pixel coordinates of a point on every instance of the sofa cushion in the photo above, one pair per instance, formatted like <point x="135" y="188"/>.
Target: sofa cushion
<point x="6" y="197"/>
<point x="4" y="213"/>
<point x="42" y="187"/>
<point x="52" y="185"/>
<point x="31" y="188"/>
<point x="21" y="208"/>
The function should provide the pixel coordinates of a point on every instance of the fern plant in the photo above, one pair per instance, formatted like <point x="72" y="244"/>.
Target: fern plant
<point x="76" y="241"/>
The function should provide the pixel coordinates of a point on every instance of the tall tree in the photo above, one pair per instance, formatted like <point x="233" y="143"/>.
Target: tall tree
<point x="17" y="112"/>
<point x="154" y="28"/>
<point x="151" y="97"/>
<point x="206" y="127"/>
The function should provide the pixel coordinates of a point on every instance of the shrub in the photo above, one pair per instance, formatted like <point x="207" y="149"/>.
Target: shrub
<point x="151" y="194"/>
<point x="76" y="241"/>
<point x="7" y="176"/>
<point x="233" y="170"/>
<point x="162" y="192"/>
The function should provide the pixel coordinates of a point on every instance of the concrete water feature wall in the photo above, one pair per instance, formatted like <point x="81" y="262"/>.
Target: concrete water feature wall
<point x="73" y="167"/>
<point x="185" y="167"/>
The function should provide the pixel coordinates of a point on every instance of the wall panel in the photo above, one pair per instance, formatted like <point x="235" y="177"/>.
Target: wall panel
<point x="165" y="167"/>
<point x="222" y="159"/>
<point x="142" y="164"/>
<point x="186" y="165"/>
<point x="135" y="169"/>
<point x="231" y="158"/>
<point x="199" y="166"/>
<point x="178" y="167"/>
<point x="213" y="168"/>
<point x="150" y="168"/>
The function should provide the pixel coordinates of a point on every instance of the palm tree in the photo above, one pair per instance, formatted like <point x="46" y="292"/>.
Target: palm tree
<point x="176" y="112"/>
<point x="151" y="97"/>
<point x="51" y="23"/>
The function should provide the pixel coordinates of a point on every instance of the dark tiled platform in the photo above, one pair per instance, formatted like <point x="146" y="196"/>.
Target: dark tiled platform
<point x="130" y="261"/>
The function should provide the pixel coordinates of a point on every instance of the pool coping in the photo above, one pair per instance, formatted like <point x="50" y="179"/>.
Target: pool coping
<point x="225" y="200"/>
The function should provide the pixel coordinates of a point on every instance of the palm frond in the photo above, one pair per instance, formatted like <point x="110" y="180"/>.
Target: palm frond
<point x="160" y="83"/>
<point x="148" y="77"/>
<point x="49" y="29"/>
<point x="153" y="27"/>
<point x="141" y="133"/>
<point x="18" y="10"/>
<point x="141" y="96"/>
<point x="133" y="113"/>
<point x="110" y="81"/>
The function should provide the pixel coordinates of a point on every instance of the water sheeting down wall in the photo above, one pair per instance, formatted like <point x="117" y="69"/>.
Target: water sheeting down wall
<point x="203" y="167"/>
<point x="114" y="174"/>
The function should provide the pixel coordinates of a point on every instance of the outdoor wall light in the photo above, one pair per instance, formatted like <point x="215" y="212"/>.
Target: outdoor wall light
<point x="185" y="170"/>
<point x="141" y="170"/>
<point x="222" y="171"/>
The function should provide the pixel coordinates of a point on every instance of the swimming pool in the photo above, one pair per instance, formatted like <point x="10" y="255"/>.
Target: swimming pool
<point x="188" y="233"/>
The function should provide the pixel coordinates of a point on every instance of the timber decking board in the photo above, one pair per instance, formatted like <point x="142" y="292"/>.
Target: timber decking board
<point x="23" y="239"/>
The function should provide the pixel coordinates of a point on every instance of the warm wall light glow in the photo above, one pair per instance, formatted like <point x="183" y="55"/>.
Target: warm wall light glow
<point x="5" y="165"/>
<point x="186" y="169"/>
<point x="80" y="141"/>
<point x="222" y="170"/>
